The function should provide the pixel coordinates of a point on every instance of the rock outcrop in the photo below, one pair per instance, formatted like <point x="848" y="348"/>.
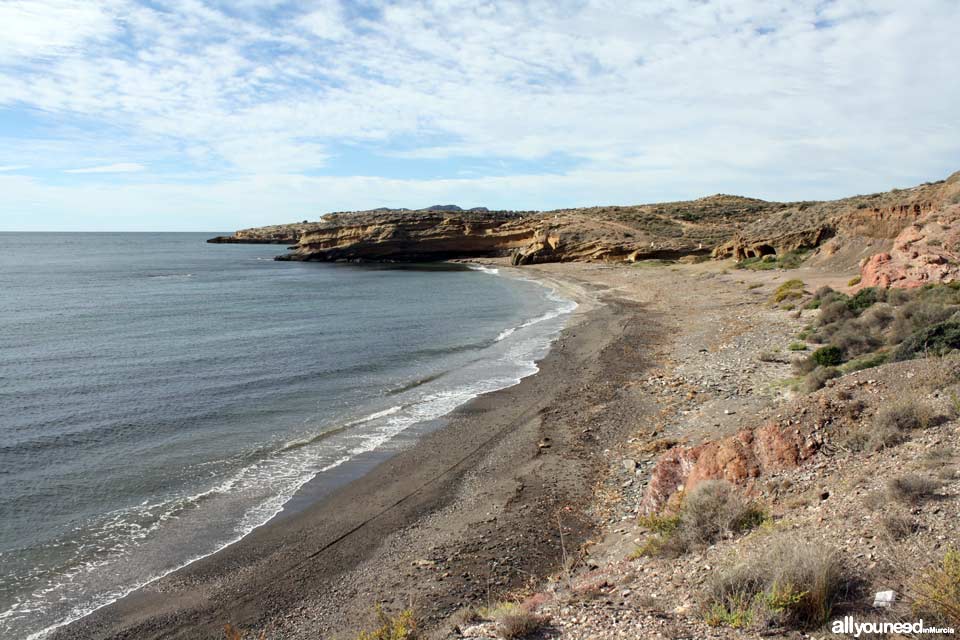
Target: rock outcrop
<point x="835" y="234"/>
<point x="926" y="252"/>
<point x="739" y="459"/>
<point x="439" y="234"/>
<point x="274" y="234"/>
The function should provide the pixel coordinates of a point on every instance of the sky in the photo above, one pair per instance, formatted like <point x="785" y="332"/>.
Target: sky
<point x="223" y="114"/>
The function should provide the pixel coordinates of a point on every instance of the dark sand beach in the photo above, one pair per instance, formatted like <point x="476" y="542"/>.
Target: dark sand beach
<point x="473" y="509"/>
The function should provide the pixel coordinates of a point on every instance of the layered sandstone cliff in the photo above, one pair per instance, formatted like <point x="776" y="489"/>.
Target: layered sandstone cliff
<point x="907" y="234"/>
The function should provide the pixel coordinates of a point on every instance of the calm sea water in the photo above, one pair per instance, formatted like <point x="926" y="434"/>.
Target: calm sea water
<point x="160" y="397"/>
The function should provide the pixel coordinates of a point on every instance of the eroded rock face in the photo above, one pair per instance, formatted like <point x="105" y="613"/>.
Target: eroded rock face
<point x="738" y="459"/>
<point x="415" y="236"/>
<point x="528" y="238"/>
<point x="927" y="252"/>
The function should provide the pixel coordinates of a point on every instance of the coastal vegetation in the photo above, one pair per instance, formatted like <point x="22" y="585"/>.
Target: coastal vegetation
<point x="876" y="325"/>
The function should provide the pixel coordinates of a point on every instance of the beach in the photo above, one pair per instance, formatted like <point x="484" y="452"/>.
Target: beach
<point x="484" y="496"/>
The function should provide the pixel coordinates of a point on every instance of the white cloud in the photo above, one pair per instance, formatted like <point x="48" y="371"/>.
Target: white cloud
<point x="31" y="28"/>
<point x="119" y="167"/>
<point x="650" y="99"/>
<point x="13" y="167"/>
<point x="326" y="21"/>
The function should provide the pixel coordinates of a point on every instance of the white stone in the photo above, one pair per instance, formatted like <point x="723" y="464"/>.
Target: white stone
<point x="884" y="599"/>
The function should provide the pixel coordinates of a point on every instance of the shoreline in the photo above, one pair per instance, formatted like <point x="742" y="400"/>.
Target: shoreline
<point x="142" y="610"/>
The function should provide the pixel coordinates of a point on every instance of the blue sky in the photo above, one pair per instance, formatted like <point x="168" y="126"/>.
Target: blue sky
<point x="217" y="115"/>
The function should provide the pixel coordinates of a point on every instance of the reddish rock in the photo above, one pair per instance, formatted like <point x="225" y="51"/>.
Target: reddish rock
<point x="925" y="252"/>
<point x="738" y="459"/>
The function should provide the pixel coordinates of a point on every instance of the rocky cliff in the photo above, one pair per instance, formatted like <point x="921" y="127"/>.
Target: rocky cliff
<point x="274" y="234"/>
<point x="906" y="234"/>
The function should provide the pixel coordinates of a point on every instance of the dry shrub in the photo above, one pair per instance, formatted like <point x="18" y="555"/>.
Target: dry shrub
<point x="817" y="378"/>
<point x="898" y="526"/>
<point x="938" y="591"/>
<point x="514" y="621"/>
<point x="892" y="425"/>
<point x="912" y="488"/>
<point x="519" y="625"/>
<point x="789" y="581"/>
<point x="906" y="415"/>
<point x="713" y="509"/>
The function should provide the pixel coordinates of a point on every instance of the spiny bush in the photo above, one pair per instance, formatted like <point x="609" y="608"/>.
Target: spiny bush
<point x="898" y="526"/>
<point x="714" y="509"/>
<point x="789" y="582"/>
<point x="938" y="591"/>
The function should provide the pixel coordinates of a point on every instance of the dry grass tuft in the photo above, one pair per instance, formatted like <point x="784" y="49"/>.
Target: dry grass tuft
<point x="512" y="620"/>
<point x="912" y="489"/>
<point x="713" y="510"/>
<point x="789" y="582"/>
<point x="898" y="526"/>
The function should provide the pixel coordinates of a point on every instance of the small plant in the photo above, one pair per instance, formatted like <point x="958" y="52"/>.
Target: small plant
<point x="906" y="415"/>
<point x="789" y="290"/>
<point x="937" y="340"/>
<point x="854" y="281"/>
<point x="402" y="626"/>
<point x="912" y="489"/>
<point x="797" y="346"/>
<point x="938" y="591"/>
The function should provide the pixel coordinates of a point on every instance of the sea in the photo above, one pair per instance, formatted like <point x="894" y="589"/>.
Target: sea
<point x="161" y="397"/>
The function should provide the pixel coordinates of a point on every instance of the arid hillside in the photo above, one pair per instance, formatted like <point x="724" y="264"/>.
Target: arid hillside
<point x="902" y="237"/>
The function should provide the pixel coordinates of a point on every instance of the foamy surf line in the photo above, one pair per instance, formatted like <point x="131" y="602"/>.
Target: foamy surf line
<point x="528" y="349"/>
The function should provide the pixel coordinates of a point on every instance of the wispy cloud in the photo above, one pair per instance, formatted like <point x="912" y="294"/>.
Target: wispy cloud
<point x="119" y="167"/>
<point x="13" y="167"/>
<point x="654" y="99"/>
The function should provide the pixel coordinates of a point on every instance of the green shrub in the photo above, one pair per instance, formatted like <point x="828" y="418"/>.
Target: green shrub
<point x="797" y="346"/>
<point x="933" y="340"/>
<point x="829" y="356"/>
<point x="867" y="362"/>
<point x="853" y="281"/>
<point x="864" y="299"/>
<point x="789" y="290"/>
